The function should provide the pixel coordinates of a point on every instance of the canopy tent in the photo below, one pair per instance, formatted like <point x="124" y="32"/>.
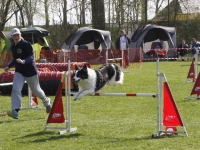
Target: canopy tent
<point x="5" y="44"/>
<point x="32" y="33"/>
<point x="6" y="41"/>
<point x="145" y="35"/>
<point x="86" y="36"/>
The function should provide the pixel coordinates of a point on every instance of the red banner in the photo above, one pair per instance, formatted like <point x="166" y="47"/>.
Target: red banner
<point x="56" y="114"/>
<point x="171" y="115"/>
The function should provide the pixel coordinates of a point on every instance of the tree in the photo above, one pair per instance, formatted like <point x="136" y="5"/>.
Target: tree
<point x="46" y="7"/>
<point x="5" y="6"/>
<point x="20" y="8"/>
<point x="82" y="12"/>
<point x="98" y="14"/>
<point x="64" y="12"/>
<point x="158" y="4"/>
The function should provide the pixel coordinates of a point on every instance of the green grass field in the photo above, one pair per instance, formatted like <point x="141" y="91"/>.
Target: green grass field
<point x="110" y="123"/>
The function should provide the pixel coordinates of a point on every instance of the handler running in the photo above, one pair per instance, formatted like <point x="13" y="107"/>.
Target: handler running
<point x="25" y="70"/>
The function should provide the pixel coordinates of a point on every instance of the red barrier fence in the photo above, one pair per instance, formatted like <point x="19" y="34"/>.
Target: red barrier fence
<point x="93" y="56"/>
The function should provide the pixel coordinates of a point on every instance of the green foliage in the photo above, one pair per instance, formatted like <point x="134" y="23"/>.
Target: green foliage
<point x="59" y="33"/>
<point x="187" y="30"/>
<point x="111" y="123"/>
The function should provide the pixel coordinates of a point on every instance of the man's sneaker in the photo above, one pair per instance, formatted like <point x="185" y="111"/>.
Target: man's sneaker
<point x="47" y="104"/>
<point x="48" y="109"/>
<point x="13" y="114"/>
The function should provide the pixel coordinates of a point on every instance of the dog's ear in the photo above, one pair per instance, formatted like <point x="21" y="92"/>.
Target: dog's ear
<point x="85" y="67"/>
<point x="76" y="67"/>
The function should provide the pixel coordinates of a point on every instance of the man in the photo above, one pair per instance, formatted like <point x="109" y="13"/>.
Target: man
<point x="183" y="49"/>
<point x="122" y="43"/>
<point x="25" y="70"/>
<point x="195" y="46"/>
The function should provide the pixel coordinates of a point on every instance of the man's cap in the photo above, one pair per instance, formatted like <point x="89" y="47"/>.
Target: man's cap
<point x="15" y="31"/>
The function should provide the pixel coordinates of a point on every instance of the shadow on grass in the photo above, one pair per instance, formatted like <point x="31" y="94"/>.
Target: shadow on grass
<point x="142" y="138"/>
<point x="189" y="100"/>
<point x="5" y="121"/>
<point x="155" y="138"/>
<point x="44" y="136"/>
<point x="49" y="136"/>
<point x="185" y="65"/>
<point x="19" y="120"/>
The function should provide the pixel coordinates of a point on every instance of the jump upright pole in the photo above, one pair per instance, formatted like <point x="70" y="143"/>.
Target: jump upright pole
<point x="160" y="78"/>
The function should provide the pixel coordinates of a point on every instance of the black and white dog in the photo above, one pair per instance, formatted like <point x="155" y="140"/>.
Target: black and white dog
<point x="91" y="81"/>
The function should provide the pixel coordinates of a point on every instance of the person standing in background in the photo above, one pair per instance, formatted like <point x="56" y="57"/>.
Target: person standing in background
<point x="122" y="43"/>
<point x="195" y="46"/>
<point x="25" y="70"/>
<point x="183" y="49"/>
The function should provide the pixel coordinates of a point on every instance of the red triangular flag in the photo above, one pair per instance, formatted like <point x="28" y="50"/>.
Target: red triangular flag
<point x="191" y="73"/>
<point x="34" y="100"/>
<point x="196" y="88"/>
<point x="171" y="115"/>
<point x="56" y="114"/>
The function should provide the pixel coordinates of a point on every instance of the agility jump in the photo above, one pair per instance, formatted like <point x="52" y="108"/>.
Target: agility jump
<point x="162" y="120"/>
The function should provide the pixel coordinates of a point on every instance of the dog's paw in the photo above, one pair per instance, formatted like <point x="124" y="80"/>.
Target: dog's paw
<point x="75" y="97"/>
<point x="79" y="96"/>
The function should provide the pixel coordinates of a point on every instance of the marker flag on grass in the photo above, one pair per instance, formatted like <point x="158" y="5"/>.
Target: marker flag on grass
<point x="56" y="114"/>
<point x="171" y="116"/>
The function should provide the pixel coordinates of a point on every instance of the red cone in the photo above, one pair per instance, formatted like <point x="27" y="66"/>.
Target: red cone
<point x="191" y="73"/>
<point x="196" y="88"/>
<point x="34" y="101"/>
<point x="171" y="116"/>
<point x="56" y="114"/>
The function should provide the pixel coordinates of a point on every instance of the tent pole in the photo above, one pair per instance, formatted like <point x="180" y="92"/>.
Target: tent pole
<point x="106" y="56"/>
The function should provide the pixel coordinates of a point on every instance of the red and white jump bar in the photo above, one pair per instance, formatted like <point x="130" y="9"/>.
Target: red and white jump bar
<point x="126" y="94"/>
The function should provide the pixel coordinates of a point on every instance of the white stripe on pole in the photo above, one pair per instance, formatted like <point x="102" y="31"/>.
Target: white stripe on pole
<point x="6" y="84"/>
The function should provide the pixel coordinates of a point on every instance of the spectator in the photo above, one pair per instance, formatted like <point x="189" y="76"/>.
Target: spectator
<point x="195" y="46"/>
<point x="183" y="49"/>
<point x="122" y="43"/>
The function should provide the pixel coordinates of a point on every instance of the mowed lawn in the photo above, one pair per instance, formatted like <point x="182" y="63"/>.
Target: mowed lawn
<point x="110" y="123"/>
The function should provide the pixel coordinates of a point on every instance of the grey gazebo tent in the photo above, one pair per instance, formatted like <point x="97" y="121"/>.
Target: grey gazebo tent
<point x="151" y="33"/>
<point x="86" y="35"/>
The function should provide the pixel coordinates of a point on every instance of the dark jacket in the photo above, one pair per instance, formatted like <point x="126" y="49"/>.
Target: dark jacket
<point x="194" y="46"/>
<point x="24" y="51"/>
<point x="128" y="41"/>
<point x="182" y="49"/>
